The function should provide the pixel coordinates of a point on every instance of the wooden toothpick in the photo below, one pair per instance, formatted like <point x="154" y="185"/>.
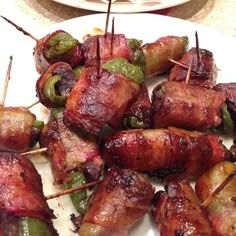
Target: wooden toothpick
<point x="71" y="190"/>
<point x="209" y="199"/>
<point x="20" y="28"/>
<point x="7" y="79"/>
<point x="33" y="152"/>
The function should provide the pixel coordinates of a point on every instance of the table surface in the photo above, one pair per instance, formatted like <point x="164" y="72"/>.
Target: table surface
<point x="219" y="14"/>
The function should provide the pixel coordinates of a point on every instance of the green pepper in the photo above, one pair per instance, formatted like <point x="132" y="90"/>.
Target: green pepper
<point x="38" y="124"/>
<point x="134" y="44"/>
<point x="185" y="38"/>
<point x="227" y="123"/>
<point x="138" y="59"/>
<point x="78" y="70"/>
<point x="33" y="227"/>
<point x="79" y="198"/>
<point x="133" y="122"/>
<point x="49" y="91"/>
<point x="162" y="89"/>
<point x="57" y="112"/>
<point x="122" y="66"/>
<point x="59" y="44"/>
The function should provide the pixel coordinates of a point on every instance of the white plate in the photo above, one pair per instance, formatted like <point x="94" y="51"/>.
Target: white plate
<point x="121" y="6"/>
<point x="148" y="27"/>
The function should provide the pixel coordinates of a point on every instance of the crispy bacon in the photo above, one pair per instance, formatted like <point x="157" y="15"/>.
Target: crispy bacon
<point x="70" y="149"/>
<point x="21" y="192"/>
<point x="168" y="153"/>
<point x="73" y="57"/>
<point x="63" y="86"/>
<point x="186" y="106"/>
<point x="121" y="199"/>
<point x="140" y="108"/>
<point x="16" y="129"/>
<point x="230" y="90"/>
<point x="203" y="72"/>
<point x="110" y="46"/>
<point x="221" y="209"/>
<point x="99" y="99"/>
<point x="158" y="53"/>
<point x="178" y="212"/>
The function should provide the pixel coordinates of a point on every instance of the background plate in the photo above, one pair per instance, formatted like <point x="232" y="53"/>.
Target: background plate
<point x="147" y="27"/>
<point x="122" y="6"/>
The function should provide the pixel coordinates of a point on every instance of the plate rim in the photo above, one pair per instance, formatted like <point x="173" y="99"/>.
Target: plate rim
<point x="120" y="7"/>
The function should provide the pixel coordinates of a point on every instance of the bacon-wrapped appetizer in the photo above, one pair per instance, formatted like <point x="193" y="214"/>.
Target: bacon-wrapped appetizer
<point x="19" y="129"/>
<point x="156" y="55"/>
<point x="230" y="90"/>
<point x="23" y="207"/>
<point x="203" y="71"/>
<point x="53" y="86"/>
<point x="74" y="156"/>
<point x="187" y="106"/>
<point x="55" y="47"/>
<point x="109" y="45"/>
<point x="139" y="112"/>
<point x="121" y="199"/>
<point x="166" y="153"/>
<point x="216" y="191"/>
<point x="177" y="211"/>
<point x="101" y="96"/>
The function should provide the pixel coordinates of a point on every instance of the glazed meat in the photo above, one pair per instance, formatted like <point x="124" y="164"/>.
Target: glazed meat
<point x="70" y="149"/>
<point x="186" y="106"/>
<point x="17" y="131"/>
<point x="109" y="46"/>
<point x="139" y="112"/>
<point x="158" y="53"/>
<point x="203" y="68"/>
<point x="121" y="199"/>
<point x="177" y="211"/>
<point x="21" y="193"/>
<point x="98" y="99"/>
<point x="230" y="90"/>
<point x="172" y="152"/>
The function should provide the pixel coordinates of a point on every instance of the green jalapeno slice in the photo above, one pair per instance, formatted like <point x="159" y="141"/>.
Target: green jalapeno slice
<point x="50" y="93"/>
<point x="59" y="44"/>
<point x="122" y="66"/>
<point x="38" y="124"/>
<point x="134" y="44"/>
<point x="227" y="123"/>
<point x="79" y="198"/>
<point x="78" y="71"/>
<point x="133" y="122"/>
<point x="33" y="227"/>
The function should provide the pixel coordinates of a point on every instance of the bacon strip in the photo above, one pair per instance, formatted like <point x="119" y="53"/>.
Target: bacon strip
<point x="70" y="149"/>
<point x="21" y="192"/>
<point x="205" y="68"/>
<point x="230" y="91"/>
<point x="158" y="53"/>
<point x="121" y="199"/>
<point x="167" y="153"/>
<point x="73" y="57"/>
<point x="178" y="212"/>
<point x="186" y="106"/>
<point x="107" y="50"/>
<point x="16" y="127"/>
<point x="141" y="108"/>
<point x="99" y="100"/>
